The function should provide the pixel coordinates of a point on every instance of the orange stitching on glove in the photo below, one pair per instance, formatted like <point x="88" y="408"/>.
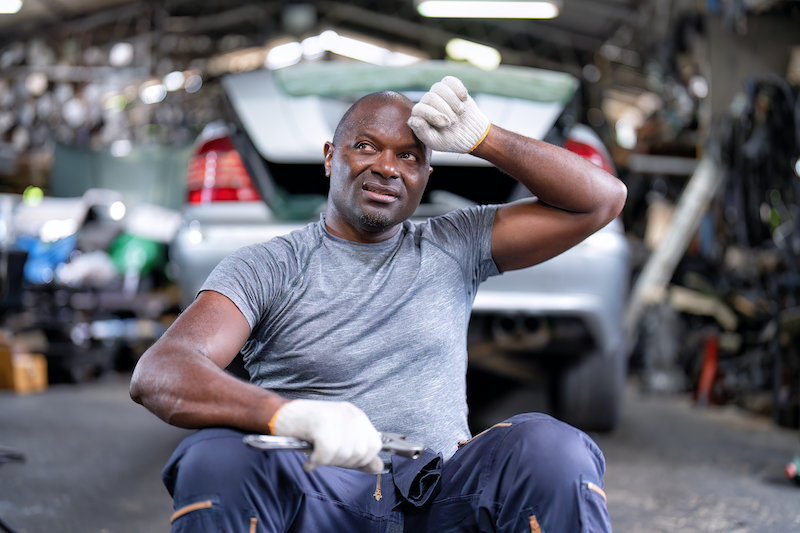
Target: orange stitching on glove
<point x="485" y="133"/>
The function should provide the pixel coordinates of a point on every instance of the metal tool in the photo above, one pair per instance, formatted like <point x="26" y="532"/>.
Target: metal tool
<point x="392" y="443"/>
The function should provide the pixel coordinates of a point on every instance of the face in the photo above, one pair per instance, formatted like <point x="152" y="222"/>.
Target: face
<point x="378" y="171"/>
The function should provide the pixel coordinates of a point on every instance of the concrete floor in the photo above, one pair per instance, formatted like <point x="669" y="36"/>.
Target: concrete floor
<point x="93" y="459"/>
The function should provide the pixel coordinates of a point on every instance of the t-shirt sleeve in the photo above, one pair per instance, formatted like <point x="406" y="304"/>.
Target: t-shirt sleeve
<point x="466" y="235"/>
<point x="251" y="278"/>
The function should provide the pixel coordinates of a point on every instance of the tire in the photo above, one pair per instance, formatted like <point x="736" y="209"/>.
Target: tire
<point x="589" y="393"/>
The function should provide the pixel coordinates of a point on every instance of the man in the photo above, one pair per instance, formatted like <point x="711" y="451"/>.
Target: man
<point x="358" y="322"/>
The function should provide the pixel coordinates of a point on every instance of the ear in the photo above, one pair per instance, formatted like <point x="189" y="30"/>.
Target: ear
<point x="328" y="150"/>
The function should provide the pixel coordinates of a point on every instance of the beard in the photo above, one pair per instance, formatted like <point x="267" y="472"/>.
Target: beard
<point x="376" y="220"/>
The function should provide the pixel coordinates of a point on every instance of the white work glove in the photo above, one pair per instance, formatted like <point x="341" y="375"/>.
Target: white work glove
<point x="340" y="432"/>
<point x="447" y="119"/>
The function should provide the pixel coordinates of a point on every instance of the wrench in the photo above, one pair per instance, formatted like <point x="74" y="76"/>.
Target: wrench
<point x="392" y="443"/>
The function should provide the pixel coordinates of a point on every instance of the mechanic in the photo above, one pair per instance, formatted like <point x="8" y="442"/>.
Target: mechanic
<point x="358" y="322"/>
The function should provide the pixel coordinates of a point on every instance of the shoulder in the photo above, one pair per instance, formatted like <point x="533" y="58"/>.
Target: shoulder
<point x="473" y="219"/>
<point x="287" y="241"/>
<point x="284" y="252"/>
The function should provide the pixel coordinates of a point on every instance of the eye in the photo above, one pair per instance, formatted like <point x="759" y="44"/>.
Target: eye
<point x="409" y="156"/>
<point x="364" y="146"/>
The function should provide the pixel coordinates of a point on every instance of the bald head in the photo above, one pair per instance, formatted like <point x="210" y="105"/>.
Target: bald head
<point x="375" y="99"/>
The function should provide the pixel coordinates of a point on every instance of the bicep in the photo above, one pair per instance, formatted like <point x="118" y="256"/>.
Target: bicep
<point x="212" y="326"/>
<point x="528" y="232"/>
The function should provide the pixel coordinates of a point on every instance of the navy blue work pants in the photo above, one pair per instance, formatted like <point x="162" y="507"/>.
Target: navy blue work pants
<point x="531" y="473"/>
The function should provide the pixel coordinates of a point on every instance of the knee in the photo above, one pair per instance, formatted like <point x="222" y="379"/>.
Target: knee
<point x="212" y="460"/>
<point x="239" y="484"/>
<point x="554" y="450"/>
<point x="549" y="471"/>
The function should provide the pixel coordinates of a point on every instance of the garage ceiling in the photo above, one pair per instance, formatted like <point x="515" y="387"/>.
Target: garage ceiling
<point x="566" y="43"/>
<point x="631" y="46"/>
<point x="617" y="34"/>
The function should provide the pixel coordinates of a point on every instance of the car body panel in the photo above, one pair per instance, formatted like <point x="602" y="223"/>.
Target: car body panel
<point x="293" y="129"/>
<point x="586" y="281"/>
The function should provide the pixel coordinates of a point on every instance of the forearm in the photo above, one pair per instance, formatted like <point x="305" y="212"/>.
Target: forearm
<point x="190" y="391"/>
<point x="554" y="175"/>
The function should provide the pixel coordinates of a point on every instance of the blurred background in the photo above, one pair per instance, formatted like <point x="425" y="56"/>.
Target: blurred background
<point x="141" y="141"/>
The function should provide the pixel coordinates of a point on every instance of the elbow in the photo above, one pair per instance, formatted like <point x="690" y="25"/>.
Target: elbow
<point x="620" y="198"/>
<point x="142" y="385"/>
<point x="612" y="204"/>
<point x="136" y="388"/>
<point x="609" y="196"/>
<point x="149" y="392"/>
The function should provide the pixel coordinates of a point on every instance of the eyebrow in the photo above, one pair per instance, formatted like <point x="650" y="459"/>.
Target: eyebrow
<point x="416" y="145"/>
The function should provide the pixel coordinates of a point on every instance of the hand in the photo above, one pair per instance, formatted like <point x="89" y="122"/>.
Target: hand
<point x="340" y="432"/>
<point x="447" y="119"/>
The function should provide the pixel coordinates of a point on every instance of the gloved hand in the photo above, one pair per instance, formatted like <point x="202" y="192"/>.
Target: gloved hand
<point x="447" y="119"/>
<point x="340" y="432"/>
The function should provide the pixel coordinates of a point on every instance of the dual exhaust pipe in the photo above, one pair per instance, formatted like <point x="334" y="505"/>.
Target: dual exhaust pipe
<point x="520" y="331"/>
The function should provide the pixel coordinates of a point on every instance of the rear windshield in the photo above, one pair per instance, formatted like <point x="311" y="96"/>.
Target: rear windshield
<point x="339" y="80"/>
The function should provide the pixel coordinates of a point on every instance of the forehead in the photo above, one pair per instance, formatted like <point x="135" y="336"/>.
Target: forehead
<point x="379" y="114"/>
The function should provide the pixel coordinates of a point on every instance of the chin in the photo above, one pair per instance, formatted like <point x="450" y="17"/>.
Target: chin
<point x="377" y="220"/>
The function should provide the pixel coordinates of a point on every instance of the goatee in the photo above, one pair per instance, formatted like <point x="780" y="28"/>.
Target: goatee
<point x="375" y="220"/>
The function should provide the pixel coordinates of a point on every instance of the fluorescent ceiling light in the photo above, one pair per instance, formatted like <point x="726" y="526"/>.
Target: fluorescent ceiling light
<point x="284" y="55"/>
<point x="362" y="51"/>
<point x="315" y="47"/>
<point x="509" y="9"/>
<point x="481" y="56"/>
<point x="9" y="7"/>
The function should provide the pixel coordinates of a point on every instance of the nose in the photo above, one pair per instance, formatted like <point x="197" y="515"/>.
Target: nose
<point x="386" y="165"/>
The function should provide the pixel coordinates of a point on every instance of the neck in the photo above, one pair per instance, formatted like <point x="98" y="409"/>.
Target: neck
<point x="363" y="235"/>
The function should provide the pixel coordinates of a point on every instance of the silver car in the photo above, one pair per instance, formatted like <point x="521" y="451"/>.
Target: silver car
<point x="260" y="174"/>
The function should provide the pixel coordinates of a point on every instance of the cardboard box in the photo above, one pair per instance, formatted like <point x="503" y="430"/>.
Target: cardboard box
<point x="23" y="372"/>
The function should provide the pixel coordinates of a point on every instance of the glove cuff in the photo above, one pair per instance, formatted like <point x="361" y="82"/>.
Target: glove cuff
<point x="474" y="128"/>
<point x="274" y="419"/>
<point x="482" y="137"/>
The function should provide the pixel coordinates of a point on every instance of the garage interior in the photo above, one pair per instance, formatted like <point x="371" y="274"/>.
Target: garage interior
<point x="698" y="104"/>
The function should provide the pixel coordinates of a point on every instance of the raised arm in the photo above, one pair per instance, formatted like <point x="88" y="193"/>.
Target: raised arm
<point x="574" y="197"/>
<point x="181" y="377"/>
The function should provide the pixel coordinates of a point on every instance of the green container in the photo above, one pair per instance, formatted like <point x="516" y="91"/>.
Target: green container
<point x="136" y="254"/>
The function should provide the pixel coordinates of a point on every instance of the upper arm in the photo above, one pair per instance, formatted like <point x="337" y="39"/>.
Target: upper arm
<point x="181" y="378"/>
<point x="212" y="327"/>
<point x="575" y="199"/>
<point x="528" y="232"/>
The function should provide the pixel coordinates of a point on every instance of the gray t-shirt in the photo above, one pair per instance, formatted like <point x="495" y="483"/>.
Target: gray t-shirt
<point x="380" y="325"/>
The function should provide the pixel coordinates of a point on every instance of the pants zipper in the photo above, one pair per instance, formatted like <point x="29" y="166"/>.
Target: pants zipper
<point x="377" y="495"/>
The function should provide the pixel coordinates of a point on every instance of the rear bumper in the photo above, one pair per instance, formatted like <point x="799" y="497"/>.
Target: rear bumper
<point x="574" y="302"/>
<point x="545" y="323"/>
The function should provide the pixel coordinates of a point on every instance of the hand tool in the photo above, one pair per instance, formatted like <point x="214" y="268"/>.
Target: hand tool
<point x="392" y="443"/>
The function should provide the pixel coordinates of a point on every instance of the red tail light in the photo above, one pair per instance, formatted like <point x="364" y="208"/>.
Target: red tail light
<point x="216" y="174"/>
<point x="598" y="156"/>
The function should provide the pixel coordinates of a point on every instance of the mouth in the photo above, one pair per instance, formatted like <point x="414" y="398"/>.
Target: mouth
<point x="379" y="194"/>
